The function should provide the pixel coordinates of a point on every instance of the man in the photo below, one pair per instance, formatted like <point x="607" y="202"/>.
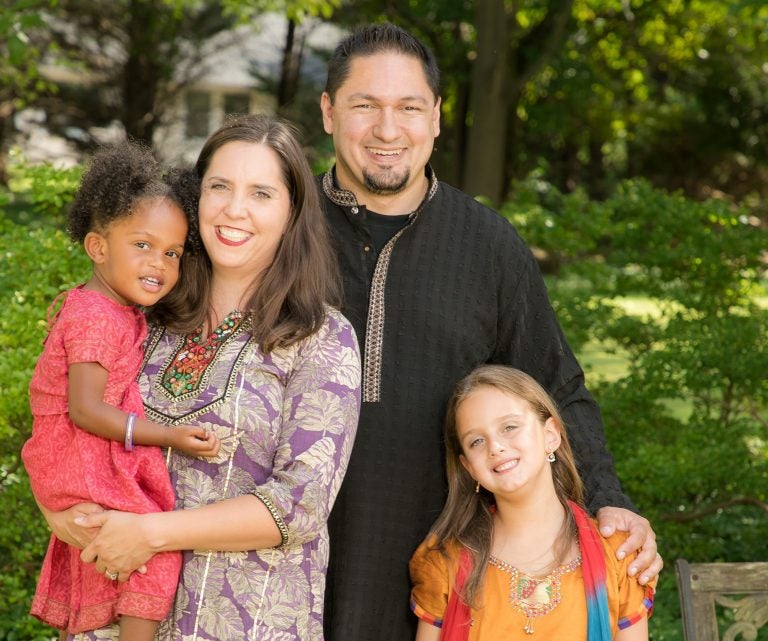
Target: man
<point x="435" y="284"/>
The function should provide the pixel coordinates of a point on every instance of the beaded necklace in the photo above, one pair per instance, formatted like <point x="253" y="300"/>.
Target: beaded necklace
<point x="534" y="597"/>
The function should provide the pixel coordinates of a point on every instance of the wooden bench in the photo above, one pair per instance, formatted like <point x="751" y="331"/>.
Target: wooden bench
<point x="740" y="587"/>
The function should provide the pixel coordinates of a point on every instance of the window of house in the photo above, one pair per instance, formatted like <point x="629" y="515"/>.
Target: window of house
<point x="198" y="114"/>
<point x="237" y="103"/>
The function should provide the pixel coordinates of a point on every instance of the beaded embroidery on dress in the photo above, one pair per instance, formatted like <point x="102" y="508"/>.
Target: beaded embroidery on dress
<point x="186" y="371"/>
<point x="534" y="597"/>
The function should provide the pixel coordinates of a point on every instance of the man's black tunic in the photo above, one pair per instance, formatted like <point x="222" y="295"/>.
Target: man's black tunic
<point x="456" y="288"/>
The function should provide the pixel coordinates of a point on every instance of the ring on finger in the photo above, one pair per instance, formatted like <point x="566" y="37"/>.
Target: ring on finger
<point x="111" y="575"/>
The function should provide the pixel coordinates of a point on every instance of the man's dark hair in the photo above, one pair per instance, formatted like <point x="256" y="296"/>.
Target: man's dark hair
<point x="378" y="38"/>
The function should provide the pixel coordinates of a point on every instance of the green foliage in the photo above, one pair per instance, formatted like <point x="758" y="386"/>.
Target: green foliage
<point x="673" y="91"/>
<point x="20" y="79"/>
<point x="36" y="263"/>
<point x="40" y="194"/>
<point x="688" y="421"/>
<point x="296" y="10"/>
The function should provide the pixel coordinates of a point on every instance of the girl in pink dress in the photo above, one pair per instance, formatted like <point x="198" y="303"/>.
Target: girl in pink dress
<point x="90" y="441"/>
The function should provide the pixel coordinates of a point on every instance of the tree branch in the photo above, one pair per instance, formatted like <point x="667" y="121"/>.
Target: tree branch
<point x="686" y="517"/>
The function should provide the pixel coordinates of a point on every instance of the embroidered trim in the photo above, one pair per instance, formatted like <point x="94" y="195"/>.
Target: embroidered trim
<point x="531" y="596"/>
<point x="374" y="332"/>
<point x="341" y="197"/>
<point x="202" y="383"/>
<point x="236" y="440"/>
<point x="194" y="357"/>
<point x="276" y="516"/>
<point x="175" y="419"/>
<point x="425" y="616"/>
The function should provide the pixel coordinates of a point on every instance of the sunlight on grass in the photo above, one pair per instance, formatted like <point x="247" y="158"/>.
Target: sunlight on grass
<point x="602" y="365"/>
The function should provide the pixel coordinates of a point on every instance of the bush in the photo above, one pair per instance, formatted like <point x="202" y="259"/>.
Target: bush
<point x="37" y="263"/>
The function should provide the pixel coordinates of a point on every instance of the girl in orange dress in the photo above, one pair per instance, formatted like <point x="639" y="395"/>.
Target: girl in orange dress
<point x="90" y="441"/>
<point x="513" y="554"/>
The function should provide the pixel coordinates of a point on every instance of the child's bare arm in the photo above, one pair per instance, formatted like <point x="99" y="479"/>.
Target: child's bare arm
<point x="636" y="632"/>
<point x="427" y="632"/>
<point x="87" y="409"/>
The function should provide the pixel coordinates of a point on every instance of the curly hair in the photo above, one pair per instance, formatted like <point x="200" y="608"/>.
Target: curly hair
<point x="117" y="178"/>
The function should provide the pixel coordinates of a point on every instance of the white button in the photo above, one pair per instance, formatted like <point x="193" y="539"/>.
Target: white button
<point x="355" y="210"/>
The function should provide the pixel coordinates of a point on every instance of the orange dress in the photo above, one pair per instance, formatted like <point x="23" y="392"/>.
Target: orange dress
<point x="68" y="465"/>
<point x="433" y="576"/>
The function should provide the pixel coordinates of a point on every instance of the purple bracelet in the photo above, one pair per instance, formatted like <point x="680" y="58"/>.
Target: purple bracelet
<point x="129" y="431"/>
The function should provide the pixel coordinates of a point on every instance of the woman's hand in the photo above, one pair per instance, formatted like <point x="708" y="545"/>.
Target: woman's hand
<point x="121" y="546"/>
<point x="64" y="524"/>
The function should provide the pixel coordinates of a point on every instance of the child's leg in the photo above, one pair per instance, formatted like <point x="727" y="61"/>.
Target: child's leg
<point x="136" y="629"/>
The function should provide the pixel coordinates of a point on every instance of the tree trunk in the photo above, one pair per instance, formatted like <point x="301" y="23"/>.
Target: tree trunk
<point x="596" y="182"/>
<point x="6" y="127"/>
<point x="142" y="72"/>
<point x="489" y="104"/>
<point x="289" y="69"/>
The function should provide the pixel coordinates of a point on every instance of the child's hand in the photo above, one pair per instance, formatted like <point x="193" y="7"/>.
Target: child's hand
<point x="194" y="441"/>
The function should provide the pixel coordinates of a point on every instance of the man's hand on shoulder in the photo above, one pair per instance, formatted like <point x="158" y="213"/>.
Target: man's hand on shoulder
<point x="641" y="537"/>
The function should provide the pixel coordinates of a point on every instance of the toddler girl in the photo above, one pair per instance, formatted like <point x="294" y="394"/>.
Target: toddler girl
<point x="90" y="441"/>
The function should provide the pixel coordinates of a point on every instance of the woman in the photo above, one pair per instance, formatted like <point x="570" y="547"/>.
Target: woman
<point x="248" y="347"/>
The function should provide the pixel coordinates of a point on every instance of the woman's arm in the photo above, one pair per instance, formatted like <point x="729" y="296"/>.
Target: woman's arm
<point x="87" y="409"/>
<point x="320" y="411"/>
<point x="126" y="540"/>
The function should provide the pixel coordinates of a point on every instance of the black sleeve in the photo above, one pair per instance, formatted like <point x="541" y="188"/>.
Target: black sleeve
<point x="530" y="339"/>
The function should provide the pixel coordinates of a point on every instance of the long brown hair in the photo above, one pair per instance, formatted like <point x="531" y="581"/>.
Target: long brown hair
<point x="467" y="517"/>
<point x="288" y="300"/>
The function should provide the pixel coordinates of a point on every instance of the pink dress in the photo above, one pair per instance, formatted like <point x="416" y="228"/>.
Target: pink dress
<point x="68" y="465"/>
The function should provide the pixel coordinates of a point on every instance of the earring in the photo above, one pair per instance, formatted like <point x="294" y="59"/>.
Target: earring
<point x="477" y="488"/>
<point x="551" y="457"/>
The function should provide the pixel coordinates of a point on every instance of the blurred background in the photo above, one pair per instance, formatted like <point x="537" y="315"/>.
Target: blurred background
<point x="625" y="139"/>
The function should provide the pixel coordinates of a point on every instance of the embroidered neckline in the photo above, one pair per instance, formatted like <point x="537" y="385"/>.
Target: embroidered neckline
<point x="374" y="330"/>
<point x="531" y="596"/>
<point x="189" y="363"/>
<point x="345" y="198"/>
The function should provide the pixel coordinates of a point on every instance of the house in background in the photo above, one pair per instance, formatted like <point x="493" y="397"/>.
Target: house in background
<point x="231" y="81"/>
<point x="236" y="74"/>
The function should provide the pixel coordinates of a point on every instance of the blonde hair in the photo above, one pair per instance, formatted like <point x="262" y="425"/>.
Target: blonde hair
<point x="467" y="517"/>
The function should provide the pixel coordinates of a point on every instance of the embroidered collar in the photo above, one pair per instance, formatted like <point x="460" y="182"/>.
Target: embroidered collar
<point x="346" y="198"/>
<point x="531" y="596"/>
<point x="194" y="355"/>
